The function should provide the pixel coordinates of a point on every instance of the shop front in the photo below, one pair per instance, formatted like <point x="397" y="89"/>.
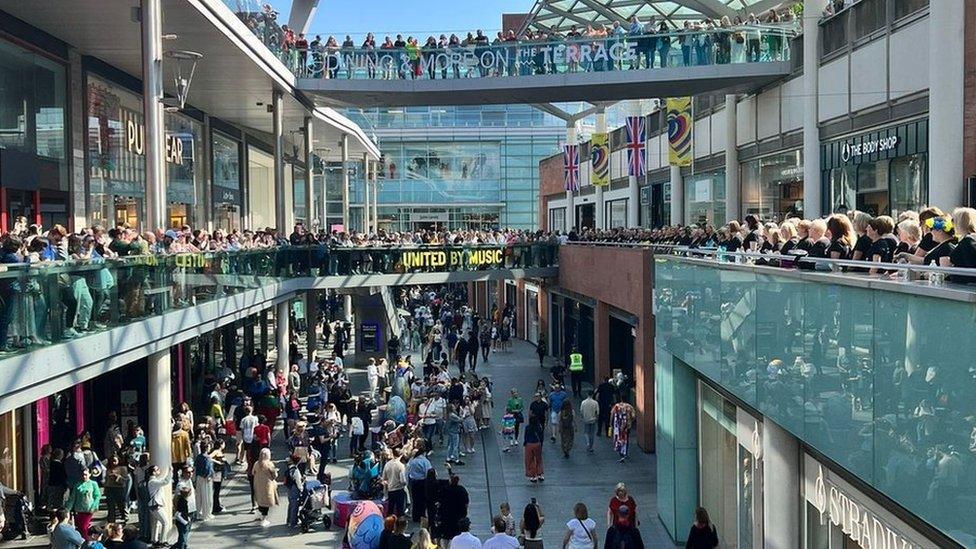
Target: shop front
<point x="772" y="186"/>
<point x="881" y="172"/>
<point x="730" y="468"/>
<point x="837" y="515"/>
<point x="116" y="140"/>
<point x="226" y="182"/>
<point x="33" y="154"/>
<point x="655" y="204"/>
<point x="532" y="314"/>
<point x="705" y="199"/>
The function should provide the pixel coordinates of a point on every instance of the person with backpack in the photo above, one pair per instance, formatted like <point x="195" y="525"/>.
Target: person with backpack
<point x="294" y="482"/>
<point x="702" y="534"/>
<point x="622" y="534"/>
<point x="581" y="530"/>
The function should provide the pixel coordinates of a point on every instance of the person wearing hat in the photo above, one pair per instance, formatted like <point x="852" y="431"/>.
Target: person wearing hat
<point x="622" y="533"/>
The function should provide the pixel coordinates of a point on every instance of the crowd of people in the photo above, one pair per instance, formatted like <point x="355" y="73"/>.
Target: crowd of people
<point x="114" y="278"/>
<point x="647" y="43"/>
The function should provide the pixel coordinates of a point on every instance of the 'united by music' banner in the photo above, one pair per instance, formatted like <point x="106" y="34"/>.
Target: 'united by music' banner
<point x="680" y="124"/>
<point x="600" y="159"/>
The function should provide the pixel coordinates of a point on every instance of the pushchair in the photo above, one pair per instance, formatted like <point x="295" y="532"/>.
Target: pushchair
<point x="21" y="520"/>
<point x="316" y="496"/>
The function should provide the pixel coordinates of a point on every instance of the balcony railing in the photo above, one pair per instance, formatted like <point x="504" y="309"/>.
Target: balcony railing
<point x="876" y="374"/>
<point x="720" y="46"/>
<point x="44" y="303"/>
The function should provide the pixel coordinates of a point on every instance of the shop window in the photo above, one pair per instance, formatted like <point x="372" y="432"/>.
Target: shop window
<point x="616" y="213"/>
<point x="705" y="199"/>
<point x="872" y="187"/>
<point x="842" y="183"/>
<point x="772" y="186"/>
<point x="719" y="462"/>
<point x="557" y="219"/>
<point x="909" y="184"/>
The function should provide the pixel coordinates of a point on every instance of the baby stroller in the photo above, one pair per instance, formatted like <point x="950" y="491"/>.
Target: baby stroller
<point x="315" y="497"/>
<point x="20" y="519"/>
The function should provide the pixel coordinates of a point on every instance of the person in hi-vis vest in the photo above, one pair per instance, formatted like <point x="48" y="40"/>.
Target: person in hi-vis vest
<point x="576" y="372"/>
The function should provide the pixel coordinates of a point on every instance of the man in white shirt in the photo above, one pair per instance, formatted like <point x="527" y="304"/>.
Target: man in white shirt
<point x="589" y="412"/>
<point x="465" y="540"/>
<point x="395" y="481"/>
<point x="248" y="423"/>
<point x="500" y="540"/>
<point x="373" y="376"/>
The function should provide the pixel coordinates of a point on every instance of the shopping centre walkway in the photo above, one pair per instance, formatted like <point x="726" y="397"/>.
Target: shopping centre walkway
<point x="490" y="477"/>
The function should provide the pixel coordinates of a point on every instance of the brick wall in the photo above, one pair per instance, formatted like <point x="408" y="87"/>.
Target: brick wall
<point x="550" y="183"/>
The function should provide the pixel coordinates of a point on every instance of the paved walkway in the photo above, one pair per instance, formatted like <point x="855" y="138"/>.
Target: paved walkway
<point x="490" y="477"/>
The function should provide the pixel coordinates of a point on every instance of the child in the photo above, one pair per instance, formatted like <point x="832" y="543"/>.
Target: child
<point x="506" y="513"/>
<point x="508" y="430"/>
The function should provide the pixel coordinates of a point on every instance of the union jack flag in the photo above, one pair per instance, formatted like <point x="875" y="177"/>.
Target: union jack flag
<point x="636" y="152"/>
<point x="571" y="167"/>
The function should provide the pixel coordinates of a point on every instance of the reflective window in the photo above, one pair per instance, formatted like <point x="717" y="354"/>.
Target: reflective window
<point x="772" y="186"/>
<point x="705" y="199"/>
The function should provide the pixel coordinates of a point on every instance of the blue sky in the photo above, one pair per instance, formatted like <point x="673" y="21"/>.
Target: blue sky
<point x="417" y="17"/>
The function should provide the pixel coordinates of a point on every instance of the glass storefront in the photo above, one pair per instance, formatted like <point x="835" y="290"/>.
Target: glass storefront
<point x="116" y="160"/>
<point x="616" y="213"/>
<point x="33" y="155"/>
<point x="730" y="473"/>
<point x="433" y="218"/>
<point x="532" y="315"/>
<point x="226" y="182"/>
<point x="260" y="189"/>
<point x="772" y="186"/>
<point x="705" y="199"/>
<point x="883" y="172"/>
<point x="557" y="219"/>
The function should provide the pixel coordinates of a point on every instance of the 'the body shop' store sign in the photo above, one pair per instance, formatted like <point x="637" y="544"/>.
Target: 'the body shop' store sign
<point x="851" y="149"/>
<point x="906" y="139"/>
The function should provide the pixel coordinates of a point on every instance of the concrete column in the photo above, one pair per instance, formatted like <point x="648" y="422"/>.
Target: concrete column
<point x="781" y="487"/>
<point x="733" y="200"/>
<point x="207" y="161"/>
<point x="601" y="342"/>
<point x="570" y="198"/>
<point x="311" y="317"/>
<point x="946" y="103"/>
<point x="677" y="196"/>
<point x="600" y="219"/>
<point x="347" y="307"/>
<point x="811" y="129"/>
<point x="263" y="331"/>
<point x="367" y="224"/>
<point x="323" y="201"/>
<point x="282" y="324"/>
<point x="309" y="194"/>
<point x="160" y="427"/>
<point x="152" y="93"/>
<point x="281" y="201"/>
<point x="344" y="152"/>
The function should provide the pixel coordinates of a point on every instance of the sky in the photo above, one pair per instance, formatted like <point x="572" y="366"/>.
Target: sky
<point x="417" y="17"/>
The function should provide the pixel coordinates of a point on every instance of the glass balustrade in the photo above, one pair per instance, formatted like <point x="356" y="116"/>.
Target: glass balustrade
<point x="719" y="46"/>
<point x="880" y="381"/>
<point x="44" y="303"/>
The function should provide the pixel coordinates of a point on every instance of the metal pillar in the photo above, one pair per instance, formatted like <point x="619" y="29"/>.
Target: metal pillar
<point x="366" y="197"/>
<point x="160" y="428"/>
<point x="282" y="324"/>
<point x="570" y="198"/>
<point x="281" y="210"/>
<point x="309" y="195"/>
<point x="811" y="129"/>
<point x="311" y="324"/>
<point x="732" y="199"/>
<point x="947" y="179"/>
<point x="677" y="196"/>
<point x="344" y="151"/>
<point x="152" y="93"/>
<point x="600" y="214"/>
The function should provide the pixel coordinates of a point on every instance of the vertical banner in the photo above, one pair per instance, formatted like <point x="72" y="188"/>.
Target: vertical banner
<point x="680" y="123"/>
<point x="600" y="159"/>
<point x="636" y="146"/>
<point x="571" y="167"/>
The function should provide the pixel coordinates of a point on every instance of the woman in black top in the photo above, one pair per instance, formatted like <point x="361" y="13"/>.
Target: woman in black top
<point x="928" y="243"/>
<point x="940" y="230"/>
<point x="909" y="234"/>
<point x="754" y="235"/>
<point x="841" y="236"/>
<point x="787" y="235"/>
<point x="734" y="242"/>
<point x="883" y="242"/>
<point x="818" y="242"/>
<point x="702" y="534"/>
<point x="803" y="241"/>
<point x="964" y="222"/>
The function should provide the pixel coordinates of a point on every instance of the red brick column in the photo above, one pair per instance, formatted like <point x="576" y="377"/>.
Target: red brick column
<point x="473" y="296"/>
<point x="644" y="357"/>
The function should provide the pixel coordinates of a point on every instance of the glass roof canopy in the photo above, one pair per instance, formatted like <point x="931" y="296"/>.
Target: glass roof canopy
<point x="560" y="15"/>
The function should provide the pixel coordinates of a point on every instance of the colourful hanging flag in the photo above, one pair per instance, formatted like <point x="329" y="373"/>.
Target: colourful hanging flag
<point x="571" y="167"/>
<point x="680" y="124"/>
<point x="636" y="149"/>
<point x="600" y="159"/>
